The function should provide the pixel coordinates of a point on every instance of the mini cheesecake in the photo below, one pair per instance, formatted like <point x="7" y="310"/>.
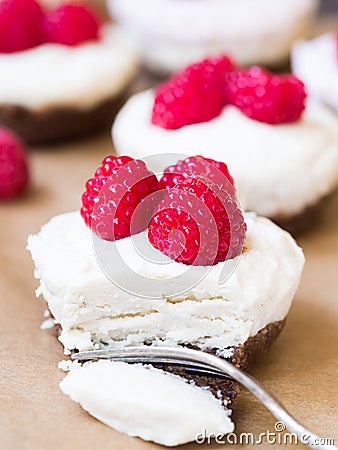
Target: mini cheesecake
<point x="171" y="34"/>
<point x="55" y="92"/>
<point x="316" y="62"/>
<point x="236" y="319"/>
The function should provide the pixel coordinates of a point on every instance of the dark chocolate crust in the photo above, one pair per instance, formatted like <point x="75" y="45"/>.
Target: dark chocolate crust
<point x="60" y="123"/>
<point x="243" y="356"/>
<point x="223" y="388"/>
<point x="305" y="219"/>
<point x="246" y="355"/>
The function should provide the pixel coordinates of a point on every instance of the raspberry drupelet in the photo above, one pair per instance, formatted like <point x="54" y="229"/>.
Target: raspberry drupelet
<point x="196" y="166"/>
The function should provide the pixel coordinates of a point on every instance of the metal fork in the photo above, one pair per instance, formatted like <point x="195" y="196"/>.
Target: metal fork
<point x="205" y="363"/>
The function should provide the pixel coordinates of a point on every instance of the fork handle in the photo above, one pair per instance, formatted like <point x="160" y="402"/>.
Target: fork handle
<point x="256" y="388"/>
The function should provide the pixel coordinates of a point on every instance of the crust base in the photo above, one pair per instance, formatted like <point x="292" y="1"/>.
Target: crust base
<point x="305" y="219"/>
<point x="61" y="123"/>
<point x="243" y="357"/>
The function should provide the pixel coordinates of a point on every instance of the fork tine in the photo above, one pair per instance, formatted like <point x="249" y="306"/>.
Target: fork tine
<point x="122" y="356"/>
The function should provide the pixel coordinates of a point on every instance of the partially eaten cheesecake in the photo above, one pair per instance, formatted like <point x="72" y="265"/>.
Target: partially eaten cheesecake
<point x="236" y="319"/>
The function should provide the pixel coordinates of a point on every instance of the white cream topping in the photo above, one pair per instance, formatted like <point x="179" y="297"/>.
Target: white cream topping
<point x="173" y="33"/>
<point x="316" y="63"/>
<point x="54" y="75"/>
<point x="92" y="310"/>
<point x="146" y="402"/>
<point x="278" y="169"/>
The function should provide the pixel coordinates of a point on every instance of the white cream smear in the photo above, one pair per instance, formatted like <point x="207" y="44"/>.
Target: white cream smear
<point x="173" y="33"/>
<point x="279" y="170"/>
<point x="53" y="75"/>
<point x="146" y="402"/>
<point x="316" y="63"/>
<point x="93" y="311"/>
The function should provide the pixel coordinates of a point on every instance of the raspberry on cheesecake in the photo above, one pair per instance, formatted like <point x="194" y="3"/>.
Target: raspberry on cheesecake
<point x="191" y="96"/>
<point x="182" y="229"/>
<point x="20" y="25"/>
<point x="71" y="24"/>
<point x="111" y="197"/>
<point x="265" y="97"/>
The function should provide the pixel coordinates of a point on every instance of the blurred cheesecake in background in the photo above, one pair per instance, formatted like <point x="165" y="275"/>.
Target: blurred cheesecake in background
<point x="280" y="145"/>
<point x="173" y="33"/>
<point x="316" y="62"/>
<point x="65" y="75"/>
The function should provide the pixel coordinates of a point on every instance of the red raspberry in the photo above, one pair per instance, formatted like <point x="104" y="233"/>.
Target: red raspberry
<point x="72" y="24"/>
<point x="191" y="96"/>
<point x="196" y="166"/>
<point x="112" y="196"/>
<point x="198" y="224"/>
<point x="266" y="97"/>
<point x="20" y="25"/>
<point x="13" y="165"/>
<point x="219" y="67"/>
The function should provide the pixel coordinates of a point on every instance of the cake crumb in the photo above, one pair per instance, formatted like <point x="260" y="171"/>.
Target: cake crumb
<point x="225" y="353"/>
<point x="47" y="324"/>
<point x="66" y="365"/>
